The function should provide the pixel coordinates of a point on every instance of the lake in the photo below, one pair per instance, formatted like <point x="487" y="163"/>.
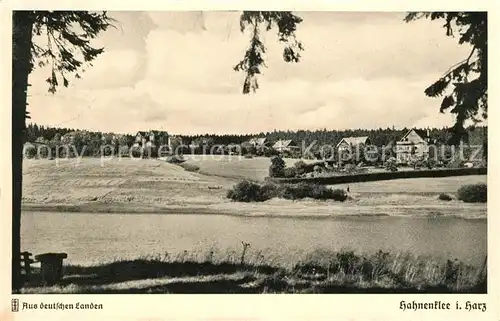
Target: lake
<point x="92" y="238"/>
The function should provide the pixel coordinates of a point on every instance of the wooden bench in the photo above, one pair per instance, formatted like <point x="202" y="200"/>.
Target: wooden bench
<point x="51" y="270"/>
<point x="51" y="267"/>
<point x="26" y="261"/>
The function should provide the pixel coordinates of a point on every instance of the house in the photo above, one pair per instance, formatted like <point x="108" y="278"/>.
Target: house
<point x="151" y="139"/>
<point x="287" y="145"/>
<point x="258" y="143"/>
<point x="413" y="145"/>
<point x="109" y="138"/>
<point x="68" y="138"/>
<point x="346" y="144"/>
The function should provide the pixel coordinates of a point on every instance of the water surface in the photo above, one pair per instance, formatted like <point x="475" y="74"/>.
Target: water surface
<point x="91" y="238"/>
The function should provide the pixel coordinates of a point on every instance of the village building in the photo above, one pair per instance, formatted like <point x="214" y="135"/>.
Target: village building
<point x="258" y="143"/>
<point x="287" y="145"/>
<point x="151" y="139"/>
<point x="414" y="145"/>
<point x="350" y="144"/>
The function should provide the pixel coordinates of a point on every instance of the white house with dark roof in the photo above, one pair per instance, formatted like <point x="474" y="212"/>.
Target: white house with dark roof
<point x="413" y="145"/>
<point x="286" y="145"/>
<point x="347" y="143"/>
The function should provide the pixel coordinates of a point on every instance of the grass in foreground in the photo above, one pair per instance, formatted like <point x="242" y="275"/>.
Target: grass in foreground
<point x="322" y="272"/>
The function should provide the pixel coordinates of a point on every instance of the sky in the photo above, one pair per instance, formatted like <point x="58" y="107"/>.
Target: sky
<point x="173" y="71"/>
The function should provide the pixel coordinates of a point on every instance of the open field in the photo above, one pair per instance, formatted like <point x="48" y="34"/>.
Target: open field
<point x="154" y="186"/>
<point x="340" y="272"/>
<point x="236" y="167"/>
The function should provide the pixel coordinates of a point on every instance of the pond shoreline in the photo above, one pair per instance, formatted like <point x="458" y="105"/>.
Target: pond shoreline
<point x="292" y="210"/>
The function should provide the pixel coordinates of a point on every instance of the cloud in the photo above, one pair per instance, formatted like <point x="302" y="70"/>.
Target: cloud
<point x="174" y="71"/>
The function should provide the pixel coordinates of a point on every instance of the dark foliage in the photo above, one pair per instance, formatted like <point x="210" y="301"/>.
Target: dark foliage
<point x="380" y="137"/>
<point x="253" y="61"/>
<point x="474" y="193"/>
<point x="289" y="172"/>
<point x="445" y="197"/>
<point x="380" y="176"/>
<point x="315" y="191"/>
<point x="246" y="191"/>
<point x="277" y="168"/>
<point x="176" y="159"/>
<point x="468" y="79"/>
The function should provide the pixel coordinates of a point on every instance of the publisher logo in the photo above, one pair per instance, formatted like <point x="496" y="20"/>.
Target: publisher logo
<point x="15" y="305"/>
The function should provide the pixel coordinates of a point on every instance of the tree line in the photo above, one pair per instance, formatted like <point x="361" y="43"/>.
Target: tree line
<point x="379" y="137"/>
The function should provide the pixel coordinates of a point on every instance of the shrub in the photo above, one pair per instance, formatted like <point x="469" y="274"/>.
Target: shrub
<point x="323" y="192"/>
<point x="338" y="195"/>
<point x="277" y="168"/>
<point x="268" y="191"/>
<point x="316" y="191"/>
<point x="245" y="191"/>
<point x="430" y="163"/>
<point x="150" y="152"/>
<point x="30" y="152"/>
<point x="474" y="193"/>
<point x="176" y="159"/>
<point x="301" y="167"/>
<point x="136" y="152"/>
<point x="289" y="172"/>
<point x="190" y="167"/>
<point x="269" y="152"/>
<point x="295" y="191"/>
<point x="124" y="150"/>
<point x="391" y="166"/>
<point x="445" y="197"/>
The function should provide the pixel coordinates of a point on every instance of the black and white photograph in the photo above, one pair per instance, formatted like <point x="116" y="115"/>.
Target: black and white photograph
<point x="250" y="152"/>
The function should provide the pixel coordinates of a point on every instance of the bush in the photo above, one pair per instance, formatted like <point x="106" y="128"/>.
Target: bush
<point x="300" y="167"/>
<point x="445" y="197"/>
<point x="190" y="167"/>
<point x="315" y="191"/>
<point x="245" y="191"/>
<point x="289" y="172"/>
<point x="474" y="193"/>
<point x="124" y="150"/>
<point x="150" y="152"/>
<point x="323" y="192"/>
<point x="277" y="168"/>
<point x="295" y="191"/>
<point x="268" y="191"/>
<point x="30" y="152"/>
<point x="136" y="152"/>
<point x="269" y="152"/>
<point x="338" y="195"/>
<point x="176" y="159"/>
<point x="430" y="163"/>
<point x="391" y="166"/>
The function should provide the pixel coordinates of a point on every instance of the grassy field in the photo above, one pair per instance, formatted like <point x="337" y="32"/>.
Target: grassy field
<point x="235" y="167"/>
<point x="154" y="186"/>
<point x="341" y="272"/>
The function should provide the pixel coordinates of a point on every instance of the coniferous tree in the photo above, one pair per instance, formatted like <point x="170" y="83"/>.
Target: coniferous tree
<point x="468" y="79"/>
<point x="67" y="53"/>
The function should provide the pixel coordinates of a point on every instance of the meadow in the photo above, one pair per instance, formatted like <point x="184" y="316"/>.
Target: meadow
<point x="322" y="272"/>
<point x="155" y="186"/>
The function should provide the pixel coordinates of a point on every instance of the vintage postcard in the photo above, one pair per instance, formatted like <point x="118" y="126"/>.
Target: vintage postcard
<point x="328" y="162"/>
